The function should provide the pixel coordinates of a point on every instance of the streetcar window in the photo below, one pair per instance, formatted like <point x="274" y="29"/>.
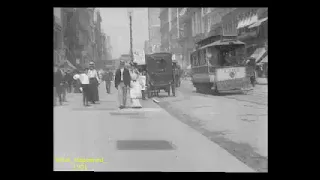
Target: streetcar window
<point x="202" y="57"/>
<point x="213" y="52"/>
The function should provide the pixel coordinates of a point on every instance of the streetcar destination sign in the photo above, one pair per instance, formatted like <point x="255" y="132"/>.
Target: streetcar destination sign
<point x="230" y="73"/>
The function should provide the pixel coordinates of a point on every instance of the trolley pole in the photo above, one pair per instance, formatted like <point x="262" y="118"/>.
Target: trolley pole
<point x="131" y="41"/>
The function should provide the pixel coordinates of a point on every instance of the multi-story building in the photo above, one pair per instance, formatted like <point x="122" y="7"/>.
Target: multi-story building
<point x="104" y="46"/>
<point x="174" y="47"/>
<point x="196" y="24"/>
<point x="70" y="21"/>
<point x="185" y="35"/>
<point x="182" y="28"/>
<point x="83" y="36"/>
<point x="92" y="48"/>
<point x="97" y="29"/>
<point x="109" y="47"/>
<point x="58" y="34"/>
<point x="249" y="24"/>
<point x="80" y="35"/>
<point x="164" y="29"/>
<point x="154" y="29"/>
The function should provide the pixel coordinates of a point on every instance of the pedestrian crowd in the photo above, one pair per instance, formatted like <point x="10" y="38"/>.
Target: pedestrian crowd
<point x="128" y="80"/>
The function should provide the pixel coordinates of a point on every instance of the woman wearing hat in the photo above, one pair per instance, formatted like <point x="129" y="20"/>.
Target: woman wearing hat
<point x="93" y="83"/>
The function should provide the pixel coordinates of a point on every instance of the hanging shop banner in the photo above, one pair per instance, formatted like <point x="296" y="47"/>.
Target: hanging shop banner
<point x="139" y="57"/>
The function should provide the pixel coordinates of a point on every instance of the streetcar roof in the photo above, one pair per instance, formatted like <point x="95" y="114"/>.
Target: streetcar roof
<point x="222" y="43"/>
<point x="159" y="53"/>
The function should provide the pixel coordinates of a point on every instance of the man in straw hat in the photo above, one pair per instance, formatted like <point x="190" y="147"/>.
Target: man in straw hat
<point x="122" y="83"/>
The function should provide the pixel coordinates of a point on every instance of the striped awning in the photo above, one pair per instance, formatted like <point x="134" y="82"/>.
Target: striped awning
<point x="258" y="53"/>
<point x="264" y="60"/>
<point x="183" y="11"/>
<point x="68" y="63"/>
<point x="258" y="23"/>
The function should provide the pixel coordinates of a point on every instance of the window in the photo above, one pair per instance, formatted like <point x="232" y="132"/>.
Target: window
<point x="202" y="24"/>
<point x="199" y="23"/>
<point x="161" y="65"/>
<point x="92" y="36"/>
<point x="209" y="23"/>
<point x="202" y="57"/>
<point x="193" y="22"/>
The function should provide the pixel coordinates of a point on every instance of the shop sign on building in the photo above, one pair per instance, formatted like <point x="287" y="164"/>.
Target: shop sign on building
<point x="139" y="57"/>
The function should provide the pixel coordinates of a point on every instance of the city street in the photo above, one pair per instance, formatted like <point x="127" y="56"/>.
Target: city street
<point x="237" y="122"/>
<point x="147" y="139"/>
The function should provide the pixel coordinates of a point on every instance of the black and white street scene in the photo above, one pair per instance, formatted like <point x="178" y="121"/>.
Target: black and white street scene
<point x="161" y="89"/>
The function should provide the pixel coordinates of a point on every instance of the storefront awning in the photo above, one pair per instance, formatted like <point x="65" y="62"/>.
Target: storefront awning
<point x="258" y="23"/>
<point x="258" y="53"/>
<point x="68" y="63"/>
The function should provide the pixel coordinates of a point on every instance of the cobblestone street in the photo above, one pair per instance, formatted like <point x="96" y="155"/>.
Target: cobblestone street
<point x="239" y="123"/>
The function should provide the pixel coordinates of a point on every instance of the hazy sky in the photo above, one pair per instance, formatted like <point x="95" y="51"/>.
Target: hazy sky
<point x="115" y="23"/>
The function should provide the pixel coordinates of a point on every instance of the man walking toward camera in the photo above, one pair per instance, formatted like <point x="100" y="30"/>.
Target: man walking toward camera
<point x="122" y="83"/>
<point x="107" y="77"/>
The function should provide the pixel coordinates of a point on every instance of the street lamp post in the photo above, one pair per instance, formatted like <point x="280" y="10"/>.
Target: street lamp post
<point x="130" y="12"/>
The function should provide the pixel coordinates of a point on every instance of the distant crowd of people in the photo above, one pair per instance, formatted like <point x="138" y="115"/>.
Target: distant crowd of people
<point x="129" y="82"/>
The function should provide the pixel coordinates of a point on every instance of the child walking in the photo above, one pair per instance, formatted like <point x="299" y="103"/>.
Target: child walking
<point x="84" y="79"/>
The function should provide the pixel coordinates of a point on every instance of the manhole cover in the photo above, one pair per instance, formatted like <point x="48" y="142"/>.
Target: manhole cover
<point x="144" y="145"/>
<point x="138" y="117"/>
<point x="93" y="109"/>
<point x="124" y="113"/>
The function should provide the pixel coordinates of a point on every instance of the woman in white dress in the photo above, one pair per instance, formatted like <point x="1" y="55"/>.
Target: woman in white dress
<point x="135" y="89"/>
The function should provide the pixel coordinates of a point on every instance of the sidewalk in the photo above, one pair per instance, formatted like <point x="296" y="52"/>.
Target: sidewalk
<point x="100" y="131"/>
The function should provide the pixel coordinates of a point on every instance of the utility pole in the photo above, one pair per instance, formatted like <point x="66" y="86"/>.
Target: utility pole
<point x="130" y="11"/>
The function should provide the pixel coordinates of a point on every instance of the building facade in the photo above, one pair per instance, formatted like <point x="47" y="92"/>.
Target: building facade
<point x="250" y="25"/>
<point x="154" y="30"/>
<point x="58" y="34"/>
<point x="196" y="24"/>
<point x="109" y="47"/>
<point x="82" y="40"/>
<point x="97" y="30"/>
<point x="164" y="29"/>
<point x="185" y="38"/>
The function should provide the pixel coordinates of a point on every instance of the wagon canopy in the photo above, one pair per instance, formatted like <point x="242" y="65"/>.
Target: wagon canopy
<point x="159" y="68"/>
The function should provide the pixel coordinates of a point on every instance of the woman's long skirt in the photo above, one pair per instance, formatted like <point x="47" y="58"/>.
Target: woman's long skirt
<point x="135" y="94"/>
<point x="93" y="90"/>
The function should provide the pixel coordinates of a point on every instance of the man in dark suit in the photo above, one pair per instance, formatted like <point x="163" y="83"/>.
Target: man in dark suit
<point x="58" y="82"/>
<point x="122" y="83"/>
